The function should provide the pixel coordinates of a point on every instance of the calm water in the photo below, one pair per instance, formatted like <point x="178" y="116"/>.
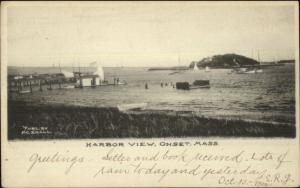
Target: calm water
<point x="267" y="96"/>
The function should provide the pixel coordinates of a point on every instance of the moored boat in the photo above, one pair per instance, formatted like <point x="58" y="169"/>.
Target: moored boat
<point x="196" y="69"/>
<point x="197" y="84"/>
<point x="68" y="87"/>
<point x="132" y="106"/>
<point x="24" y="91"/>
<point x="207" y="69"/>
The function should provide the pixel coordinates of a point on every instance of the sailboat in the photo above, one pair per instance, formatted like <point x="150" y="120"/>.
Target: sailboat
<point x="238" y="69"/>
<point x="254" y="70"/>
<point x="68" y="75"/>
<point x="100" y="73"/>
<point x="207" y="69"/>
<point x="243" y="70"/>
<point x="250" y="71"/>
<point x="196" y="67"/>
<point x="258" y="70"/>
<point x="91" y="79"/>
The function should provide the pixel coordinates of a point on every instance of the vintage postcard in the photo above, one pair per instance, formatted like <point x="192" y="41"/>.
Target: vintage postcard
<point x="150" y="94"/>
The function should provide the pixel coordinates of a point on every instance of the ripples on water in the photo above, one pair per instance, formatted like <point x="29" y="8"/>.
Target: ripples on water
<point x="267" y="96"/>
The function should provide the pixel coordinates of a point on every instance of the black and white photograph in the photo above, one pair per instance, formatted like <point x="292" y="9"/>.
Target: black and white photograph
<point x="150" y="94"/>
<point x="151" y="70"/>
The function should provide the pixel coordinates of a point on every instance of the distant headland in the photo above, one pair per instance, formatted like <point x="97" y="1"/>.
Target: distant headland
<point x="226" y="61"/>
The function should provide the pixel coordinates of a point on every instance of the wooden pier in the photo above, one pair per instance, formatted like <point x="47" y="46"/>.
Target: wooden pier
<point x="42" y="82"/>
<point x="26" y="83"/>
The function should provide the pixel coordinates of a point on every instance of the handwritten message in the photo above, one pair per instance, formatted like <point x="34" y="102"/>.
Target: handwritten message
<point x="238" y="168"/>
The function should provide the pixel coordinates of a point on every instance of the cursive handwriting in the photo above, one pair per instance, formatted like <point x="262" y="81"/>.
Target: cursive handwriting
<point x="36" y="159"/>
<point x="237" y="168"/>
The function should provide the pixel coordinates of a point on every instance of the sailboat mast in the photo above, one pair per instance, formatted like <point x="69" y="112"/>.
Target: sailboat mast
<point x="258" y="57"/>
<point x="59" y="67"/>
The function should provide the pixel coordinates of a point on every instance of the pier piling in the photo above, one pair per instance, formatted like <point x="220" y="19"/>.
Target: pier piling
<point x="50" y="86"/>
<point x="40" y="84"/>
<point x="30" y="86"/>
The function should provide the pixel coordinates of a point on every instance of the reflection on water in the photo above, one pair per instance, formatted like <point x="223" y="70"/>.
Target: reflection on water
<point x="267" y="96"/>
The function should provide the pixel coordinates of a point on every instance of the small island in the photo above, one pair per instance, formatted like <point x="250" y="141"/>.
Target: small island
<point x="225" y="61"/>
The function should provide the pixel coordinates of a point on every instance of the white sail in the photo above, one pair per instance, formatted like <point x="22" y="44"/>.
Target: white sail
<point x="99" y="72"/>
<point x="207" y="69"/>
<point x="236" y="63"/>
<point x="196" y="67"/>
<point x="68" y="74"/>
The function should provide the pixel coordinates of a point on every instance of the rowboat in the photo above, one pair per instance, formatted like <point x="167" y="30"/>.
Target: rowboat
<point x="24" y="91"/>
<point x="132" y="106"/>
<point x="69" y="87"/>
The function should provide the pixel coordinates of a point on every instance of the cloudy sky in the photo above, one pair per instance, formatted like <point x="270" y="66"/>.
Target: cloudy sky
<point x="147" y="33"/>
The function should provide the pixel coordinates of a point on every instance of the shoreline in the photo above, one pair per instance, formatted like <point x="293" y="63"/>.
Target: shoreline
<point x="56" y="121"/>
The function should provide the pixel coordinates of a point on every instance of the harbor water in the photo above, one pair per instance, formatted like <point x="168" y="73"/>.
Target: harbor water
<point x="265" y="97"/>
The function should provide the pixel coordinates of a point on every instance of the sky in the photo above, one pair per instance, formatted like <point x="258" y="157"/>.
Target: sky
<point x="147" y="33"/>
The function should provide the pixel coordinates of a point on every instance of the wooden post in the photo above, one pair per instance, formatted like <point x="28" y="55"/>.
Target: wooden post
<point x="17" y="84"/>
<point x="80" y="82"/>
<point x="50" y="87"/>
<point x="20" y="85"/>
<point x="40" y="84"/>
<point x="93" y="82"/>
<point x="30" y="87"/>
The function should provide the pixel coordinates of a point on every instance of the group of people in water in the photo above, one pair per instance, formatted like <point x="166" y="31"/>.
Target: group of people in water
<point x="162" y="84"/>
